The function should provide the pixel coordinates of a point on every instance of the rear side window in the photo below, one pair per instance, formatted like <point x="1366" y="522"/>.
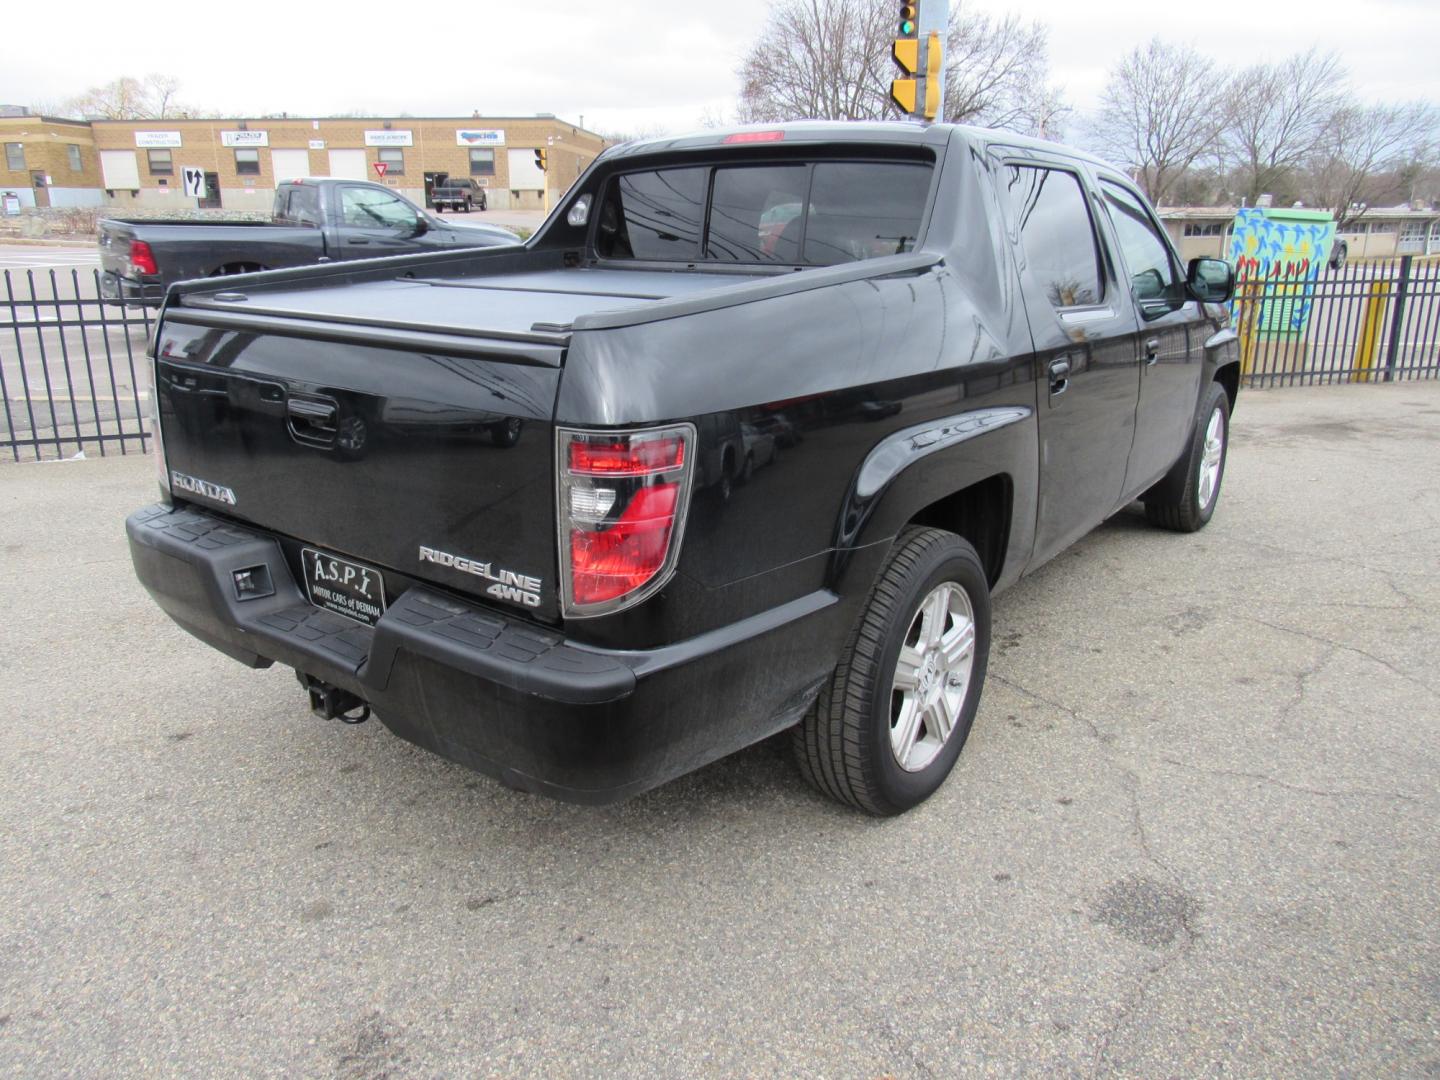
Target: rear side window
<point x="297" y="205"/>
<point x="792" y="214"/>
<point x="1052" y="214"/>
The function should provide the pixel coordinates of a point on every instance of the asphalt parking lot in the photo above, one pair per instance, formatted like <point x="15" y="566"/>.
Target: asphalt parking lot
<point x="1196" y="831"/>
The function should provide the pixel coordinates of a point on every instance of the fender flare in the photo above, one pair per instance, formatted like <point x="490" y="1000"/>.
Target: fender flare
<point x="917" y="466"/>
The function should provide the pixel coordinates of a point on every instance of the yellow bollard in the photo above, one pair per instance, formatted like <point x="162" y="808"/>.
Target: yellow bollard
<point x="1372" y="323"/>
<point x="1246" y="315"/>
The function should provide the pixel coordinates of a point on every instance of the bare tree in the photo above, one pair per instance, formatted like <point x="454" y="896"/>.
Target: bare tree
<point x="997" y="75"/>
<point x="1359" y="144"/>
<point x="830" y="60"/>
<point x="1161" y="112"/>
<point x="1278" y="115"/>
<point x="129" y="98"/>
<point x="817" y="59"/>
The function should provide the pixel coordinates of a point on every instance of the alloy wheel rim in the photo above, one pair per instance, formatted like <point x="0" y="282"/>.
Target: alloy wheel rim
<point x="932" y="676"/>
<point x="1211" y="458"/>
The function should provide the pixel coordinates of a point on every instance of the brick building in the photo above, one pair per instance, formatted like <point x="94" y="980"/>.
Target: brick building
<point x="49" y="162"/>
<point x="141" y="160"/>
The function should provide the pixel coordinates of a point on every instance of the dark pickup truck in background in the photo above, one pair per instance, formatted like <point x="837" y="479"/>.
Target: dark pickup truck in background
<point x="457" y="193"/>
<point x="314" y="221"/>
<point x="935" y="357"/>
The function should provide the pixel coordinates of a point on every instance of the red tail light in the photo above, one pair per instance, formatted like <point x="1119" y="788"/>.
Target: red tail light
<point x="142" y="259"/>
<point x="622" y="502"/>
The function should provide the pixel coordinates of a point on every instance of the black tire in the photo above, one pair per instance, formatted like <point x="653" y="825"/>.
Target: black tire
<point x="1175" y="502"/>
<point x="843" y="745"/>
<point x="439" y="208"/>
<point x="507" y="433"/>
<point x="467" y="206"/>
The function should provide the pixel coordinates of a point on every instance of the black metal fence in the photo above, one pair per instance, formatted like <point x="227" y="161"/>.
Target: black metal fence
<point x="1371" y="321"/>
<point x="73" y="373"/>
<point x="74" y="378"/>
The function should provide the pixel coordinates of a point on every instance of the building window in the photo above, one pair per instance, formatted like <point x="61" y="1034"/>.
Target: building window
<point x="1204" y="228"/>
<point x="160" y="163"/>
<point x="74" y="154"/>
<point x="482" y="162"/>
<point x="1383" y="227"/>
<point x="394" y="159"/>
<point x="247" y="162"/>
<point x="15" y="156"/>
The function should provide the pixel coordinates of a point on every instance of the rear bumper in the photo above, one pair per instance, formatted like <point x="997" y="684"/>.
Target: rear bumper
<point x="122" y="290"/>
<point x="520" y="703"/>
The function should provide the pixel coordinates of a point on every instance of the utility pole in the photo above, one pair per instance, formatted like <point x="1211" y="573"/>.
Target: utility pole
<point x="919" y="51"/>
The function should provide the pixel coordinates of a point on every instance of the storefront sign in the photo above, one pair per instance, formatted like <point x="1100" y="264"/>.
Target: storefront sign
<point x="479" y="137"/>
<point x="156" y="139"/>
<point x="244" y="138"/>
<point x="388" y="138"/>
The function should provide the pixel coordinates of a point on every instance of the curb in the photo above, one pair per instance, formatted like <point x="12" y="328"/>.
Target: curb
<point x="26" y="241"/>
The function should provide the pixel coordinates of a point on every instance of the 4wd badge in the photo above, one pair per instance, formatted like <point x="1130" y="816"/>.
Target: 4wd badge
<point x="505" y="585"/>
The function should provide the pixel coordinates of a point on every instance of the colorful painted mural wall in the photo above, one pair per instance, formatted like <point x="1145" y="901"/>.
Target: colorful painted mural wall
<point x="1278" y="256"/>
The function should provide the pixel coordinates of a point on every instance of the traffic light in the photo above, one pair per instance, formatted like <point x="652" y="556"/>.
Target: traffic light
<point x="906" y="52"/>
<point x="934" y="61"/>
<point x="542" y="158"/>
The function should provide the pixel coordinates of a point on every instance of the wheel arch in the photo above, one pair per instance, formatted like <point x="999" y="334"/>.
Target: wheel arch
<point x="974" y="474"/>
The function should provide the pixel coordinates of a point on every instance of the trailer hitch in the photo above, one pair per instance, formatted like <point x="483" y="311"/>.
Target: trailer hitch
<point x="330" y="702"/>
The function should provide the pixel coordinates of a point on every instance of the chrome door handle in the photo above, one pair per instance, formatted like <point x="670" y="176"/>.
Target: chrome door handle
<point x="1152" y="351"/>
<point x="1059" y="377"/>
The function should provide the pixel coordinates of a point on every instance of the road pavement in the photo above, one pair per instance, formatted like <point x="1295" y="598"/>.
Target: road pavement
<point x="1196" y="831"/>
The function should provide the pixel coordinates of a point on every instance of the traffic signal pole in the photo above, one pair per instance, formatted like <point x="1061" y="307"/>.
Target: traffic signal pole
<point x="919" y="51"/>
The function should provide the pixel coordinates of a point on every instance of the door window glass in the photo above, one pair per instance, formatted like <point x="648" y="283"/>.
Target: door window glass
<point x="1147" y="256"/>
<point x="653" y="215"/>
<point x="1058" y="237"/>
<point x="369" y="208"/>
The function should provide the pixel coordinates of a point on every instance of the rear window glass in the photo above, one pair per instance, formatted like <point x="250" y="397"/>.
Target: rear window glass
<point x="813" y="214"/>
<point x="755" y="214"/>
<point x="653" y="215"/>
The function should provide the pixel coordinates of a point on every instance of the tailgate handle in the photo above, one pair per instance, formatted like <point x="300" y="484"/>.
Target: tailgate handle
<point x="312" y="420"/>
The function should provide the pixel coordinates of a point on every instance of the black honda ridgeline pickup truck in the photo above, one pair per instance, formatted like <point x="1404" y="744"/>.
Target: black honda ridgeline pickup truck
<point x="744" y="439"/>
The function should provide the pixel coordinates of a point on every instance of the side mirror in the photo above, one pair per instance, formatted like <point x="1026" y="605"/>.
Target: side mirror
<point x="422" y="225"/>
<point x="1211" y="281"/>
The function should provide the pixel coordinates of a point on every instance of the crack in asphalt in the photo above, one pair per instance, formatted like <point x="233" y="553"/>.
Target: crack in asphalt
<point x="1342" y="647"/>
<point x="1240" y="774"/>
<point x="1189" y="934"/>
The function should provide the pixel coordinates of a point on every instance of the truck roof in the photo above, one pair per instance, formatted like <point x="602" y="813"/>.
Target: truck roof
<point x="894" y="132"/>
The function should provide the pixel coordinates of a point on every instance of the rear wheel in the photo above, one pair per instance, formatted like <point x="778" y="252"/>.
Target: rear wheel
<point x="237" y="268"/>
<point x="1185" y="500"/>
<point x="889" y="725"/>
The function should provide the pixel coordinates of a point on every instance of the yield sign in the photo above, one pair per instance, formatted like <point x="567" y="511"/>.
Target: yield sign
<point x="380" y="167"/>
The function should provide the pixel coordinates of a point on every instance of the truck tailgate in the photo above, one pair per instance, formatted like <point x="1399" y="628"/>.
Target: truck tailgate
<point x="371" y="452"/>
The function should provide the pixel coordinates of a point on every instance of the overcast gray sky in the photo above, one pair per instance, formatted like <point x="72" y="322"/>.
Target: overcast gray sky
<point x="622" y="64"/>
